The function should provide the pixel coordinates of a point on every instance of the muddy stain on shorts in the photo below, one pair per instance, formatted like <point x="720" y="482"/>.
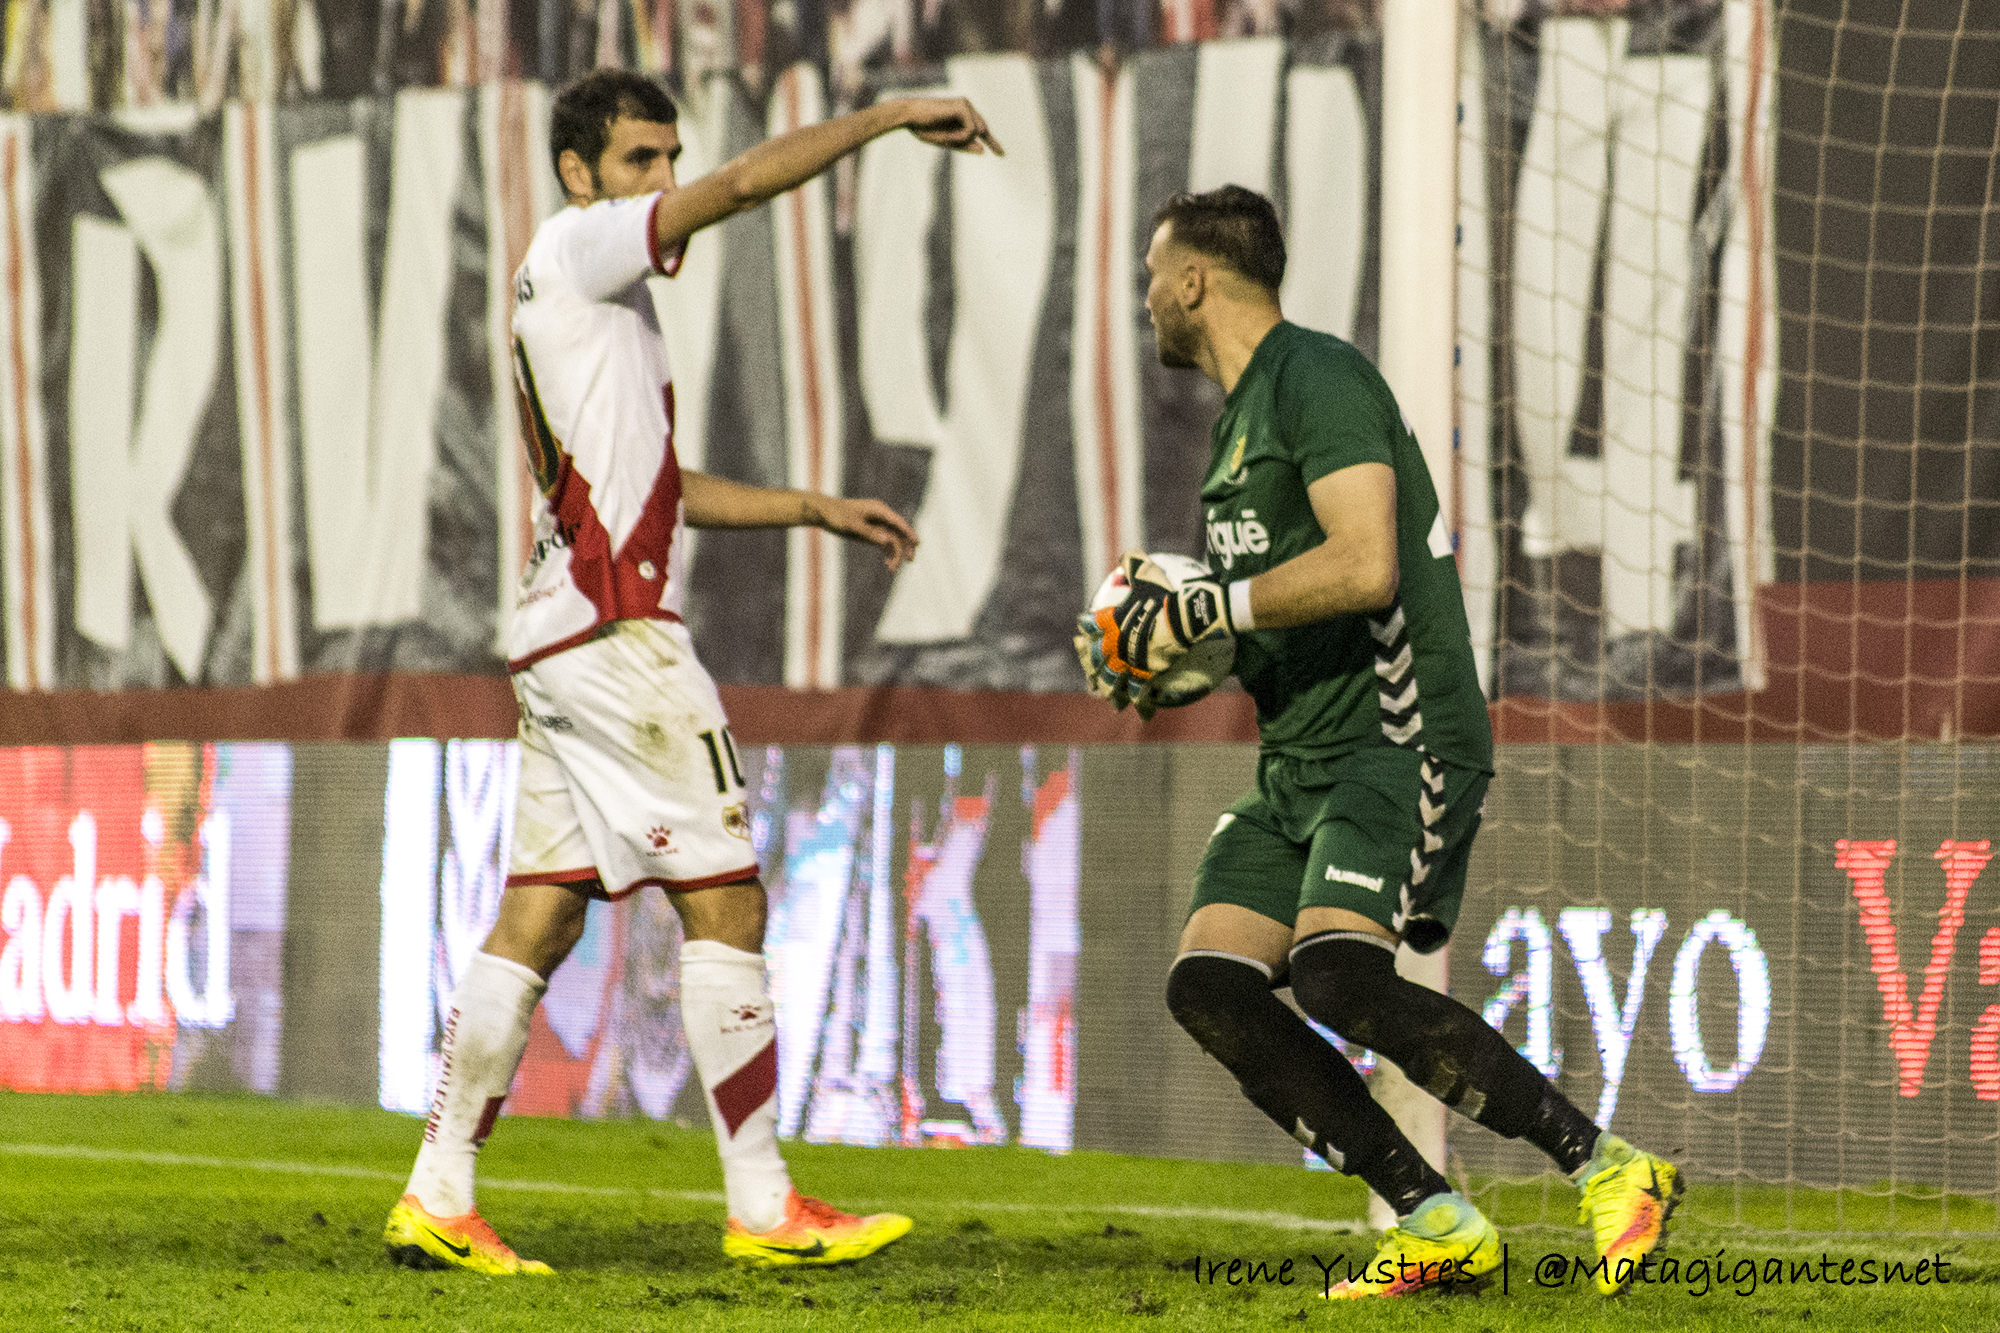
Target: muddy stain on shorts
<point x="647" y="645"/>
<point x="651" y="741"/>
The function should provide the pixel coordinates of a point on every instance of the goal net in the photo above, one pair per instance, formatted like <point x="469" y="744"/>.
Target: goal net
<point x="1725" y="314"/>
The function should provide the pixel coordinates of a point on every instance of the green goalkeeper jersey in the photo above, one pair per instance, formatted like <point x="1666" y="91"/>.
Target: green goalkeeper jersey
<point x="1309" y="404"/>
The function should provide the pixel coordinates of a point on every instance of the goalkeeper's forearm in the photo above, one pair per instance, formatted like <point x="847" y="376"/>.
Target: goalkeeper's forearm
<point x="1317" y="585"/>
<point x="1354" y="569"/>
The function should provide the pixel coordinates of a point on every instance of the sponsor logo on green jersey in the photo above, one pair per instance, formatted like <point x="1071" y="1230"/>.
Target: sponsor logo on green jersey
<point x="1245" y="536"/>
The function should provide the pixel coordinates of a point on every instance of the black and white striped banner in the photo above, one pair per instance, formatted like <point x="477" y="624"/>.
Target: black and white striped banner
<point x="257" y="424"/>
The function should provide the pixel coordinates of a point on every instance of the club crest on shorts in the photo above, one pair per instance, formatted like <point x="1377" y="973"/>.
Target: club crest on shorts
<point x="661" y="838"/>
<point x="736" y="819"/>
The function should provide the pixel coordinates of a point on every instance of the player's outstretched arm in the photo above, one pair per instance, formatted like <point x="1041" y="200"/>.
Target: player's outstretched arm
<point x="790" y="160"/>
<point x="1354" y="569"/>
<point x="717" y="502"/>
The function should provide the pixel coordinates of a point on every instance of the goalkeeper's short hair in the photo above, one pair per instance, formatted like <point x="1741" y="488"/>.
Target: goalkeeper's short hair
<point x="582" y="114"/>
<point x="1239" y="227"/>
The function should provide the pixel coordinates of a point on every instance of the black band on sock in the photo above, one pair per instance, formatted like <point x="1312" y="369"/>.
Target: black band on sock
<point x="1561" y="1129"/>
<point x="1368" y="938"/>
<point x="1295" y="1077"/>
<point x="1351" y="985"/>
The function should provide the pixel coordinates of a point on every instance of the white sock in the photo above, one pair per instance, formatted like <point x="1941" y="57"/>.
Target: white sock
<point x="483" y="1039"/>
<point x="734" y="1041"/>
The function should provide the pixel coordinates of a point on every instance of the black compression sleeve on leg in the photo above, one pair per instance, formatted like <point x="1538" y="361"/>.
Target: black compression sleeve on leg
<point x="1351" y="985"/>
<point x="1294" y="1076"/>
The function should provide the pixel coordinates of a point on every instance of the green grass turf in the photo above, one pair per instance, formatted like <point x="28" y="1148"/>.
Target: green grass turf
<point x="132" y="1225"/>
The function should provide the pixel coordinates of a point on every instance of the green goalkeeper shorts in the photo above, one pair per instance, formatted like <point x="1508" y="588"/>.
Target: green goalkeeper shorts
<point x="1385" y="832"/>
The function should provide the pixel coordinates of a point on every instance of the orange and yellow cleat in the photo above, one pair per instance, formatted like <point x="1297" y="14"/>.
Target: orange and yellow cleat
<point x="417" y="1239"/>
<point x="813" y="1234"/>
<point x="1627" y="1199"/>
<point x="1447" y="1245"/>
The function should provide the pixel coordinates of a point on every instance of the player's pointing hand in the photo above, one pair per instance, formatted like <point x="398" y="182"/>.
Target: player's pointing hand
<point x="949" y="122"/>
<point x="869" y="521"/>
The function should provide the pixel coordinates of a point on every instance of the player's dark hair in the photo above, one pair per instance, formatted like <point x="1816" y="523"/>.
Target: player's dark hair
<point x="1234" y="225"/>
<point x="582" y="115"/>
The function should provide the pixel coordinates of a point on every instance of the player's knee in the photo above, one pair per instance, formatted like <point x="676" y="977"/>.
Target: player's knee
<point x="540" y="923"/>
<point x="1215" y="999"/>
<point x="568" y="930"/>
<point x="732" y="914"/>
<point x="1188" y="999"/>
<point x="1347" y="982"/>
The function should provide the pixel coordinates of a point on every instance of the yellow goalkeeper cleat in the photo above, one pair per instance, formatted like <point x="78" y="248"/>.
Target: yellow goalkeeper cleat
<point x="1628" y="1195"/>
<point x="417" y="1239"/>
<point x="1448" y="1245"/>
<point x="813" y="1234"/>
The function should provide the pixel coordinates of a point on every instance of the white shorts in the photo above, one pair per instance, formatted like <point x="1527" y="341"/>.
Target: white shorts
<point x="628" y="772"/>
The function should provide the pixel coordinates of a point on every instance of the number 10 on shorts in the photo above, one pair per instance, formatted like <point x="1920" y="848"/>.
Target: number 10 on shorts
<point x="715" y="757"/>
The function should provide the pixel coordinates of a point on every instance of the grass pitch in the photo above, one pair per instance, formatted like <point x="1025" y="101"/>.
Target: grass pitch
<point x="183" y="1212"/>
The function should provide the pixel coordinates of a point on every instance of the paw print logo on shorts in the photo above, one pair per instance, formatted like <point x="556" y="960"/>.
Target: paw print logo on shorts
<point x="662" y="838"/>
<point x="746" y="1017"/>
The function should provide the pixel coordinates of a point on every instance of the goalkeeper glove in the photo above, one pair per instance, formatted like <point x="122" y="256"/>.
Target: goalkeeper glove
<point x="1103" y="682"/>
<point x="1157" y="622"/>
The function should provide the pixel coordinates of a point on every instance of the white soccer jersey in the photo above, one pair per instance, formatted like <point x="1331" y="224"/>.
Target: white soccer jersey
<point x="598" y="415"/>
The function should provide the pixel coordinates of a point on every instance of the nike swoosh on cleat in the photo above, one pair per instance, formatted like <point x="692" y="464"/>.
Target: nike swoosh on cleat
<point x="462" y="1251"/>
<point x="1653" y="1187"/>
<point x="812" y="1251"/>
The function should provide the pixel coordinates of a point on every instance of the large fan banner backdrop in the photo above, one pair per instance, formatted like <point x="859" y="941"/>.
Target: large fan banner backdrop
<point x="259" y="421"/>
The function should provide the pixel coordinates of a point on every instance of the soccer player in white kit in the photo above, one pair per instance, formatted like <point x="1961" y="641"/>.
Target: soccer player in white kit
<point x="628" y="774"/>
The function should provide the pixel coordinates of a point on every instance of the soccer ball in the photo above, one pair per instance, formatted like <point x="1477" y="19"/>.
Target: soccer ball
<point x="1196" y="671"/>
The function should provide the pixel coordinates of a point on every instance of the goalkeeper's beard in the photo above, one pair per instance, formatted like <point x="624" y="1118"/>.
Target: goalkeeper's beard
<point x="1176" y="339"/>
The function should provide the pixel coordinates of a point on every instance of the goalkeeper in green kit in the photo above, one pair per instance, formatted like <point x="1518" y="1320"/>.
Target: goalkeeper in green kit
<point x="1331" y="567"/>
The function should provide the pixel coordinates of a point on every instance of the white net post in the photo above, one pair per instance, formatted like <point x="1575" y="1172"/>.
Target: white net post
<point x="1418" y="328"/>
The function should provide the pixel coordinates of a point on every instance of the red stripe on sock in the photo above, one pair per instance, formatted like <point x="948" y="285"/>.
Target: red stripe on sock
<point x="486" y="1119"/>
<point x="748" y="1088"/>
